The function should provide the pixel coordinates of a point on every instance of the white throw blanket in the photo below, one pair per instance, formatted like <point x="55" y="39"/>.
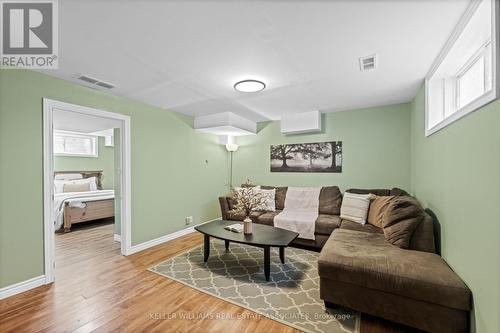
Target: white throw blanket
<point x="300" y="212"/>
<point x="76" y="199"/>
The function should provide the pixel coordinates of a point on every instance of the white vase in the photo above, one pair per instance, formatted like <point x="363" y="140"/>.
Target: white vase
<point x="247" y="226"/>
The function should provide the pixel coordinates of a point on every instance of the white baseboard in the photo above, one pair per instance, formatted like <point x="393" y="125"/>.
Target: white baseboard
<point x="41" y="280"/>
<point x="22" y="286"/>
<point x="166" y="238"/>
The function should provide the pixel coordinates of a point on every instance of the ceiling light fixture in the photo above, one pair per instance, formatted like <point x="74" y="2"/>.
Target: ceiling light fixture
<point x="249" y="86"/>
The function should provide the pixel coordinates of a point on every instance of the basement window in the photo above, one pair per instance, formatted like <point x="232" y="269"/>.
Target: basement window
<point x="75" y="144"/>
<point x="463" y="77"/>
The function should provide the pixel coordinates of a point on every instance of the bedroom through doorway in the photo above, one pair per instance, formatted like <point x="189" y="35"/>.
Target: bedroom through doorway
<point x="87" y="181"/>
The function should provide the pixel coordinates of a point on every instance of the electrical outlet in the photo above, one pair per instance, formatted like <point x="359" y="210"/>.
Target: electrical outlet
<point x="189" y="220"/>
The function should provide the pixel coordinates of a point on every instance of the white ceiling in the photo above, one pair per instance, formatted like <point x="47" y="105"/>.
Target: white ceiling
<point x="185" y="56"/>
<point x="78" y="122"/>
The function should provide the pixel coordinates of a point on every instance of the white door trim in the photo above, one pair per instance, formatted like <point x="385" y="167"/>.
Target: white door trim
<point x="48" y="171"/>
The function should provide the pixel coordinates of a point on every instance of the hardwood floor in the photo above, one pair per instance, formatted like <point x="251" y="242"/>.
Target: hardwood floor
<point x="98" y="290"/>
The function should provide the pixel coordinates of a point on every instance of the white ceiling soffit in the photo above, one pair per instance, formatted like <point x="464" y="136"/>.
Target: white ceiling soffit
<point x="185" y="56"/>
<point x="225" y="123"/>
<point x="78" y="122"/>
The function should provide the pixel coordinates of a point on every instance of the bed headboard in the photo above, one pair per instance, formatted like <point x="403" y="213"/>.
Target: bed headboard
<point x="85" y="174"/>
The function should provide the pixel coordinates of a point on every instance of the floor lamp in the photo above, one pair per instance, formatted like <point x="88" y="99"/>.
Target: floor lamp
<point x="231" y="148"/>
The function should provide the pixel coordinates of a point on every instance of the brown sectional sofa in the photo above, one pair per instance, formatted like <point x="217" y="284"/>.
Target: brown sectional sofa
<point x="330" y="200"/>
<point x="361" y="270"/>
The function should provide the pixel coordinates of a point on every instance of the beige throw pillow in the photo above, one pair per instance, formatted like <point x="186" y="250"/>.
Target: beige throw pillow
<point x="355" y="207"/>
<point x="76" y="187"/>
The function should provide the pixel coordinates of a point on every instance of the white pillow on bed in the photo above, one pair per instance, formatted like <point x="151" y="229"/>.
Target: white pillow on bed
<point x="59" y="184"/>
<point x="71" y="187"/>
<point x="68" y="176"/>
<point x="92" y="181"/>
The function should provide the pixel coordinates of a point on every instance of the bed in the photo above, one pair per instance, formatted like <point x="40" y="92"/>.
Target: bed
<point x="71" y="207"/>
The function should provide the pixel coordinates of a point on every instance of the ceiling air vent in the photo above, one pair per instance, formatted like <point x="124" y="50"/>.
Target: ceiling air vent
<point x="368" y="63"/>
<point x="94" y="81"/>
<point x="105" y="85"/>
<point x="87" y="79"/>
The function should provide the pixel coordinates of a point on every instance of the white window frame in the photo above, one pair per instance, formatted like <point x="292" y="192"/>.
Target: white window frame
<point x="95" y="143"/>
<point x="481" y="53"/>
<point x="484" y="99"/>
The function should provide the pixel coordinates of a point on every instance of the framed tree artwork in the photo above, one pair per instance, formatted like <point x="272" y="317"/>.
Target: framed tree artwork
<point x="307" y="157"/>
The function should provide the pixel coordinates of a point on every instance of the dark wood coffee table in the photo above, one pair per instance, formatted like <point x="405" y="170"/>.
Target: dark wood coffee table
<point x="263" y="236"/>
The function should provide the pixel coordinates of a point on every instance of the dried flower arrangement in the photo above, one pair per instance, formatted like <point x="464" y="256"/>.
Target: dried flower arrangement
<point x="248" y="198"/>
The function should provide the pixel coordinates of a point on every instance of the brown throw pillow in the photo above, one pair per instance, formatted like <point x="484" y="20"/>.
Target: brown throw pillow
<point x="280" y="197"/>
<point x="400" y="219"/>
<point x="375" y="191"/>
<point x="231" y="200"/>
<point x="377" y="209"/>
<point x="398" y="192"/>
<point x="330" y="200"/>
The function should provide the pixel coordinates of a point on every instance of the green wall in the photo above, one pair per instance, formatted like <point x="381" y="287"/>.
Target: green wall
<point x="176" y="171"/>
<point x="104" y="162"/>
<point x="375" y="143"/>
<point x="456" y="173"/>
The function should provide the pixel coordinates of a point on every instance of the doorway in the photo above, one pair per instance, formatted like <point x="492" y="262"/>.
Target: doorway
<point x="84" y="180"/>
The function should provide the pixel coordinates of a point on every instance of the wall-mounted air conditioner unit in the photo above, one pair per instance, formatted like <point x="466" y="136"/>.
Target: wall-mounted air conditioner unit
<point x="304" y="122"/>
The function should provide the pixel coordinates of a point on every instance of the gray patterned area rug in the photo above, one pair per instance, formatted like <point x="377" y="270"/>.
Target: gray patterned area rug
<point x="291" y="296"/>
